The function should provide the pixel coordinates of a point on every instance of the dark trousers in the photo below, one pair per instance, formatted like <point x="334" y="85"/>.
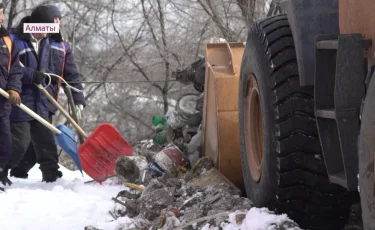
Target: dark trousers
<point x="40" y="139"/>
<point x="26" y="164"/>
<point x="5" y="141"/>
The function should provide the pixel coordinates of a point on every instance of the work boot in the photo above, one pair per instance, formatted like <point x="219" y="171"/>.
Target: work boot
<point x="19" y="173"/>
<point x="50" y="176"/>
<point x="59" y="174"/>
<point x="4" y="177"/>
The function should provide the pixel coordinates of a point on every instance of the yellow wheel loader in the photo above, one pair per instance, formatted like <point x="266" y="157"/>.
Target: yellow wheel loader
<point x="290" y="115"/>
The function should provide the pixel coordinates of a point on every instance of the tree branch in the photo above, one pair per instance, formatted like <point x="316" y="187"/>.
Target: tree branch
<point x="127" y="49"/>
<point x="122" y="111"/>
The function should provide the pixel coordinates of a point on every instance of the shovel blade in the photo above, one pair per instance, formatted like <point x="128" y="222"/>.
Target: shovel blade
<point x="66" y="140"/>
<point x="100" y="151"/>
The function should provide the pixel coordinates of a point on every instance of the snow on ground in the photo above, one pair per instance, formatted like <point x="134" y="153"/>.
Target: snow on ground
<point x="256" y="219"/>
<point x="66" y="204"/>
<point x="70" y="204"/>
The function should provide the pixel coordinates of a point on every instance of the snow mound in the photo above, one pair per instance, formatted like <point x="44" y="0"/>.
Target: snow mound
<point x="256" y="219"/>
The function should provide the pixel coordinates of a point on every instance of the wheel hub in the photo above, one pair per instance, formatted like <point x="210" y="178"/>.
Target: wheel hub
<point x="253" y="129"/>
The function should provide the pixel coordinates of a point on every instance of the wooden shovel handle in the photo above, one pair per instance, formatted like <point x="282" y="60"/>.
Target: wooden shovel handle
<point x="33" y="114"/>
<point x="66" y="114"/>
<point x="68" y="93"/>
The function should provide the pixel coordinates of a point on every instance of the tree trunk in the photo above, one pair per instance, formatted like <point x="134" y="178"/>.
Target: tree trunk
<point x="165" y="100"/>
<point x="13" y="5"/>
<point x="248" y="10"/>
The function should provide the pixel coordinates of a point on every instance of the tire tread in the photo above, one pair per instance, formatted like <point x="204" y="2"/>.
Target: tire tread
<point x="304" y="191"/>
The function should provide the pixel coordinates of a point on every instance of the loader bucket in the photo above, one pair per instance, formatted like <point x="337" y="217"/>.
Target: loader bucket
<point x="220" y="139"/>
<point x="357" y="17"/>
<point x="100" y="151"/>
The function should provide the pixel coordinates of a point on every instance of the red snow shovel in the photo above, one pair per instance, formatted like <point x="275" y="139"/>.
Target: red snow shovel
<point x="100" y="150"/>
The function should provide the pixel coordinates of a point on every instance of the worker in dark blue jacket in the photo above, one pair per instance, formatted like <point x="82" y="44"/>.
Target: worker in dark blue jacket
<point x="62" y="64"/>
<point x="10" y="81"/>
<point x="34" y="52"/>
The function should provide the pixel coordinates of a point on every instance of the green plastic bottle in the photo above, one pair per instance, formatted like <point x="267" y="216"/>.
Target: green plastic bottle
<point x="158" y="120"/>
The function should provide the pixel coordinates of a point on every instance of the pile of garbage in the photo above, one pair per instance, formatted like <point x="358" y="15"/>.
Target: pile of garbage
<point x="169" y="184"/>
<point x="165" y="195"/>
<point x="164" y="191"/>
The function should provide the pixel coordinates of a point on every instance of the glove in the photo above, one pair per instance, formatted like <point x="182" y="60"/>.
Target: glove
<point x="79" y="109"/>
<point x="38" y="77"/>
<point x="54" y="80"/>
<point x="14" y="97"/>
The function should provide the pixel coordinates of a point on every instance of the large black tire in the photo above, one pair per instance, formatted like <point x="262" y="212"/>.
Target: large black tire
<point x="293" y="177"/>
<point x="366" y="151"/>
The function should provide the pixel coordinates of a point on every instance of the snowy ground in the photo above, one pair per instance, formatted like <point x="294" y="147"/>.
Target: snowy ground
<point x="71" y="204"/>
<point x="65" y="204"/>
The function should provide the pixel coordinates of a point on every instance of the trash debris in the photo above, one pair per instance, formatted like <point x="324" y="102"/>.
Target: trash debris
<point x="157" y="120"/>
<point x="180" y="123"/>
<point x="211" y="177"/>
<point x="194" y="73"/>
<point x="178" y="194"/>
<point x="161" y="128"/>
<point x="174" y="200"/>
<point x="192" y="151"/>
<point x="202" y="165"/>
<point x="240" y="217"/>
<point x="156" y="168"/>
<point x="134" y="186"/>
<point x="170" y="157"/>
<point x="91" y="228"/>
<point x="131" y="168"/>
<point x="186" y="110"/>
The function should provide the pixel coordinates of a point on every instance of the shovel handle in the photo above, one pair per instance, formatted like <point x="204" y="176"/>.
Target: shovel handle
<point x="33" y="114"/>
<point x="66" y="114"/>
<point x="68" y="93"/>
